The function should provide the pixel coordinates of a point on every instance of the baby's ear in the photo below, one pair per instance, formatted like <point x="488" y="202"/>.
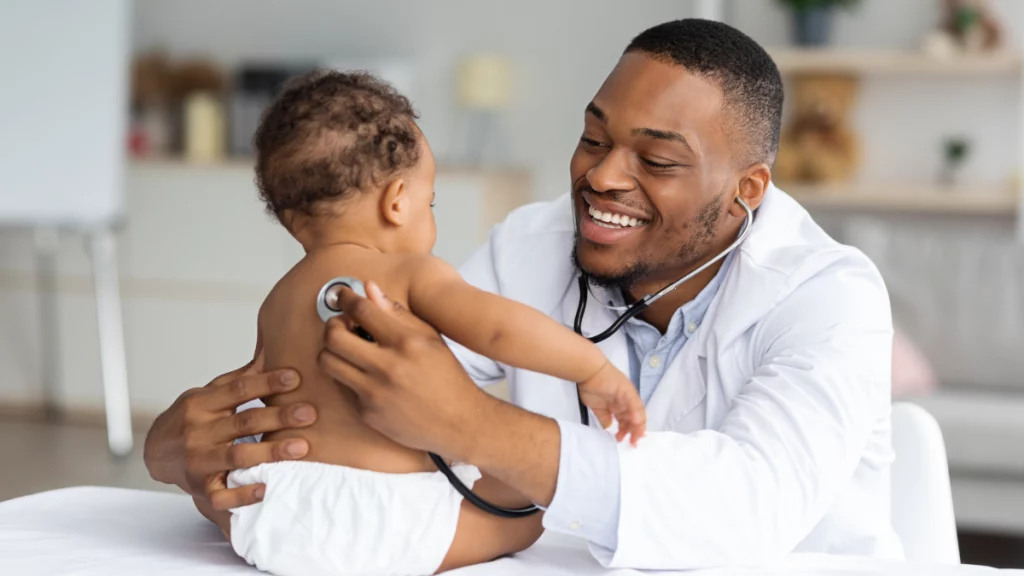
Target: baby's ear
<point x="287" y="219"/>
<point x="395" y="203"/>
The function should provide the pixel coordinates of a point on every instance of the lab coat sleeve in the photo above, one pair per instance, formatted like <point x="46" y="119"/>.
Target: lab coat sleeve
<point x="751" y="490"/>
<point x="588" y="472"/>
<point x="480" y="272"/>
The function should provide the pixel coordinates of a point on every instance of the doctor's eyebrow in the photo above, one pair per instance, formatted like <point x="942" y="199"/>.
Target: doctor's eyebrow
<point x="597" y="112"/>
<point x="667" y="135"/>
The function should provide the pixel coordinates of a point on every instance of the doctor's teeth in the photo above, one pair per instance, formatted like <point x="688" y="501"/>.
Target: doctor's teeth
<point x="619" y="220"/>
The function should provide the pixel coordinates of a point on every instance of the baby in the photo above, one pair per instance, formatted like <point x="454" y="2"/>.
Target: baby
<point x="344" y="167"/>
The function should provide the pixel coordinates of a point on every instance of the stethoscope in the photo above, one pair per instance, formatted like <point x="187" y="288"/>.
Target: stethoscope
<point x="327" y="308"/>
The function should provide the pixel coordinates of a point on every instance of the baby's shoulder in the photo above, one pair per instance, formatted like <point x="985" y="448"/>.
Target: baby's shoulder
<point x="391" y="271"/>
<point x="425" y="267"/>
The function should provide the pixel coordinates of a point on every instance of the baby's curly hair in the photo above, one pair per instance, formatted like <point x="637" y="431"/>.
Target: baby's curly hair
<point x="329" y="134"/>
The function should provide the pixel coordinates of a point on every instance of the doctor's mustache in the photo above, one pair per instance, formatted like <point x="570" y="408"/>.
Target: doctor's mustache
<point x="612" y="196"/>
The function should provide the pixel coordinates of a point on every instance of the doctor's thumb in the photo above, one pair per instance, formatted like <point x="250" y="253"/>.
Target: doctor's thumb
<point x="377" y="296"/>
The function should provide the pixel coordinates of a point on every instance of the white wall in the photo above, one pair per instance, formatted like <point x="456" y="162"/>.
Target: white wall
<point x="561" y="51"/>
<point x="902" y="121"/>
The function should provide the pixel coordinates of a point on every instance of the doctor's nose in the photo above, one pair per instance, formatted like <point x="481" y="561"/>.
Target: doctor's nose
<point x="611" y="173"/>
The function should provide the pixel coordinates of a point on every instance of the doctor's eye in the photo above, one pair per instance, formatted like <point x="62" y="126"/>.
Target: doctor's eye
<point x="656" y="165"/>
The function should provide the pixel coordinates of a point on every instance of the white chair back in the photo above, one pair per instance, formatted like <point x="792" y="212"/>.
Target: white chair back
<point x="922" y="503"/>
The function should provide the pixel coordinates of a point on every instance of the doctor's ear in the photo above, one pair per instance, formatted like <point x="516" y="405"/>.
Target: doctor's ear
<point x="753" y="184"/>
<point x="395" y="203"/>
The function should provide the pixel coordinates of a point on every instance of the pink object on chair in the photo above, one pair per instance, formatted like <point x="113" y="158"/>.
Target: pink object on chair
<point x="912" y="374"/>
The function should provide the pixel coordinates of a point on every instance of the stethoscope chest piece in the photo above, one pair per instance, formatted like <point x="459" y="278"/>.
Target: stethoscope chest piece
<point x="327" y="300"/>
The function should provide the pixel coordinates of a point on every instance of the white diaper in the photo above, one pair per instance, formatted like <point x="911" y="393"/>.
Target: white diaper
<point x="325" y="519"/>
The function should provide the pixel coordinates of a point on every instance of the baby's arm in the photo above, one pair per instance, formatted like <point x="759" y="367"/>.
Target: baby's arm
<point x="499" y="328"/>
<point x="520" y="336"/>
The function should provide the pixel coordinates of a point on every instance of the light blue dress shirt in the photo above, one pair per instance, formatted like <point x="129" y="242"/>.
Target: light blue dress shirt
<point x="586" y="500"/>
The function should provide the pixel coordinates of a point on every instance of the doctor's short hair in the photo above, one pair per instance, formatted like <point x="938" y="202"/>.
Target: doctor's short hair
<point x="748" y="77"/>
<point x="329" y="134"/>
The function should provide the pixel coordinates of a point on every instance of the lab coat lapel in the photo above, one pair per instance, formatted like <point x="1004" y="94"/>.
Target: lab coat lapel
<point x="764" y="271"/>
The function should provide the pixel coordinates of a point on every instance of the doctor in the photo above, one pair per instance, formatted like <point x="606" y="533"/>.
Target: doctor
<point x="766" y="377"/>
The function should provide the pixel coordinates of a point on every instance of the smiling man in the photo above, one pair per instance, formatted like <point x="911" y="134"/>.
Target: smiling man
<point x="766" y="376"/>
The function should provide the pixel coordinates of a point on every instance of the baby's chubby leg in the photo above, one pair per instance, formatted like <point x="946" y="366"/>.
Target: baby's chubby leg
<point x="481" y="537"/>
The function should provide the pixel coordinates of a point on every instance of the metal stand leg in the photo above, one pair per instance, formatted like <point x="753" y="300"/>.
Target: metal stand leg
<point x="103" y="247"/>
<point x="46" y="240"/>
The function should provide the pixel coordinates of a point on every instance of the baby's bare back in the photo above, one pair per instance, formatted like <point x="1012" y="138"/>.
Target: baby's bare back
<point x="292" y="336"/>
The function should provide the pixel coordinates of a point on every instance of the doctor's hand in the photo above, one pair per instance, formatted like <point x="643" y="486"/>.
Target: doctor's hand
<point x="191" y="444"/>
<point x="410" y="386"/>
<point x="609" y="393"/>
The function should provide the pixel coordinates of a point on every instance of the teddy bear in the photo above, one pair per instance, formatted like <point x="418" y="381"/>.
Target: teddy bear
<point x="819" y="145"/>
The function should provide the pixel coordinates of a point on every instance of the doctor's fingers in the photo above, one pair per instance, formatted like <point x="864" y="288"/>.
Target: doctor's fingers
<point x="255" y="366"/>
<point x="410" y="322"/>
<point x="387" y="323"/>
<point x="204" y="463"/>
<point x="341" y="342"/>
<point x="350" y="376"/>
<point x="260" y="421"/>
<point x="228" y="394"/>
<point x="228" y="498"/>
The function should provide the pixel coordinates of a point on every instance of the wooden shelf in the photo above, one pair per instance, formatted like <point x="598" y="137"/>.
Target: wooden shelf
<point x="908" y="198"/>
<point x="243" y="163"/>
<point x="853" y="61"/>
<point x="178" y="162"/>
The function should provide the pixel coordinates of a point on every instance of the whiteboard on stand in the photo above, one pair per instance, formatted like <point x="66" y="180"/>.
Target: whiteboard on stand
<point x="63" y="111"/>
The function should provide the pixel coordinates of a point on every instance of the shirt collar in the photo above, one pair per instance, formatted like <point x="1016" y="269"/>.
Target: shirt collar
<point x="688" y="316"/>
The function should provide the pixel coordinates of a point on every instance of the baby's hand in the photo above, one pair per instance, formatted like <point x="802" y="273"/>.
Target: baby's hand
<point x="609" y="393"/>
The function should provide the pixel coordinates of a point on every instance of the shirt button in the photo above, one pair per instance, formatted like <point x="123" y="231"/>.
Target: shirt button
<point x="691" y="327"/>
<point x="655" y="361"/>
<point x="575" y="525"/>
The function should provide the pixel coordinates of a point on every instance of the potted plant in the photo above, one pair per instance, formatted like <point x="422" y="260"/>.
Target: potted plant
<point x="812" y="19"/>
<point x="955" y="151"/>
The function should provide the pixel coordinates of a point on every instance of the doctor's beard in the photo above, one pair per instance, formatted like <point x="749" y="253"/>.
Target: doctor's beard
<point x="692" y="253"/>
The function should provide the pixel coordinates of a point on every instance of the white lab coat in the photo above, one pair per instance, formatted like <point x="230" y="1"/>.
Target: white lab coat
<point x="770" y="431"/>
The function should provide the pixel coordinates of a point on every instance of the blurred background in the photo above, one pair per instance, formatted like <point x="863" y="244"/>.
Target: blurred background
<point x="134" y="253"/>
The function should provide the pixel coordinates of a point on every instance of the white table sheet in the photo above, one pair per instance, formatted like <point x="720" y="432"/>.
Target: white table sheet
<point x="115" y="532"/>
